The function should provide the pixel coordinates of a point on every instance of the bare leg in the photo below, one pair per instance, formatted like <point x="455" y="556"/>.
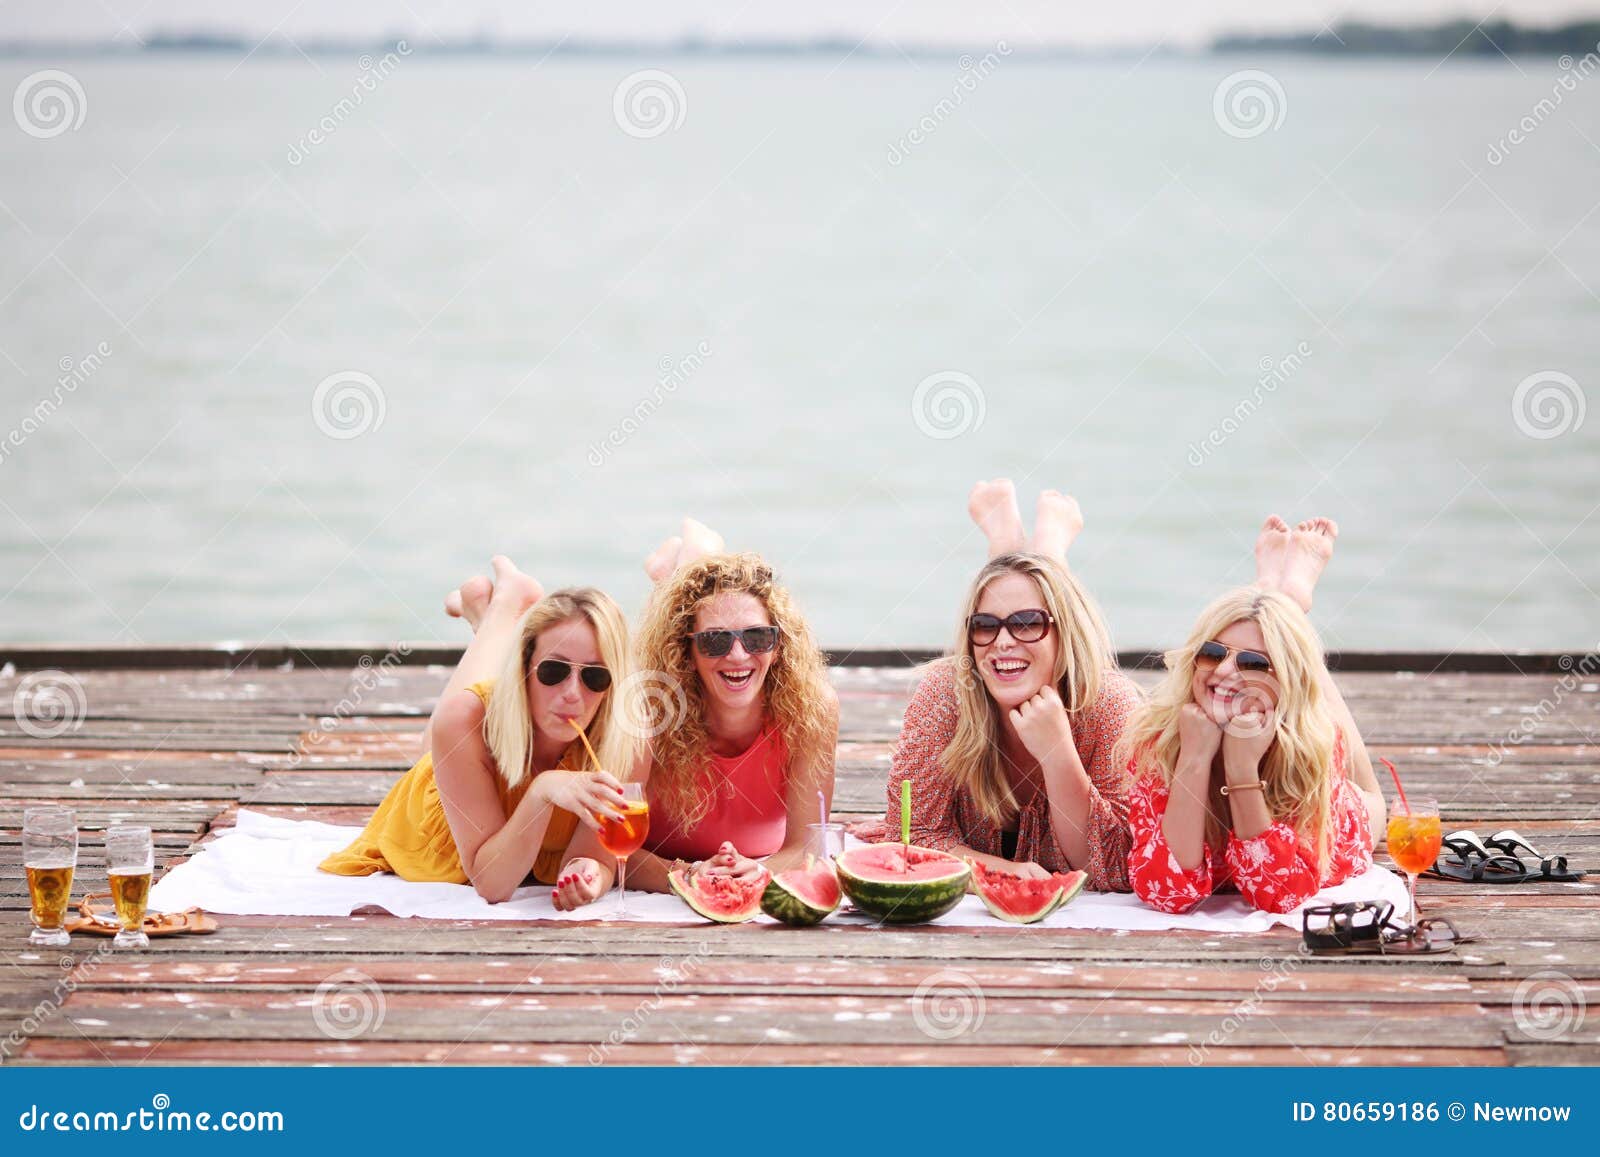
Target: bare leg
<point x="659" y="563"/>
<point x="1057" y="523"/>
<point x="1310" y="548"/>
<point x="993" y="506"/>
<point x="494" y="633"/>
<point x="1272" y="548"/>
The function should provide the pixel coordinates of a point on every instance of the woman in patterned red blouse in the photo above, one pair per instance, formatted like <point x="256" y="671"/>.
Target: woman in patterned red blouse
<point x="1241" y="768"/>
<point x="1009" y="743"/>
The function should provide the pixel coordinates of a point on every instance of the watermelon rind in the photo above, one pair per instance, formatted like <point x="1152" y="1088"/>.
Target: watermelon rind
<point x="1063" y="896"/>
<point x="788" y="907"/>
<point x="908" y="902"/>
<point x="683" y="885"/>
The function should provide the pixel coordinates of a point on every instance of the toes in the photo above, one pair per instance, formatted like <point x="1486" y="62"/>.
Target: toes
<point x="503" y="568"/>
<point x="452" y="604"/>
<point x="1273" y="522"/>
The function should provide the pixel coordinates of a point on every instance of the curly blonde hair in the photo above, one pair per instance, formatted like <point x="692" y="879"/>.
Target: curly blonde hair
<point x="796" y="687"/>
<point x="972" y="759"/>
<point x="1298" y="770"/>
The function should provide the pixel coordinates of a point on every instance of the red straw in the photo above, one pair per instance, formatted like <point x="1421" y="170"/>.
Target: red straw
<point x="1397" y="786"/>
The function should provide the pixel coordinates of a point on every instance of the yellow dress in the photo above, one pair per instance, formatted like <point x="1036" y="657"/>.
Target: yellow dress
<point x="410" y="836"/>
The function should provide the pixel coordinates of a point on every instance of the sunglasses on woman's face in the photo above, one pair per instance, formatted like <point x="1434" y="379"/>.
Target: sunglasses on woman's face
<point x="715" y="644"/>
<point x="1211" y="652"/>
<point x="550" y="672"/>
<point x="1025" y="627"/>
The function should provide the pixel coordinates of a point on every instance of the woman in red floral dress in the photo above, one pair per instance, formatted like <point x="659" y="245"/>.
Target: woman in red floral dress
<point x="1241" y="766"/>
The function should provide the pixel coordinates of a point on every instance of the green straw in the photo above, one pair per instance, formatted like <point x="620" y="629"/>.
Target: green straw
<point x="905" y="811"/>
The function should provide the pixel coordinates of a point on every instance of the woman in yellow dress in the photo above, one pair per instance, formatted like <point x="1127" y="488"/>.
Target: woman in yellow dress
<point x="498" y="793"/>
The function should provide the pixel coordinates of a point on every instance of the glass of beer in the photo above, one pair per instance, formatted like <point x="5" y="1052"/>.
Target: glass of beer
<point x="49" y="856"/>
<point x="1413" y="839"/>
<point x="623" y="835"/>
<point x="130" y="861"/>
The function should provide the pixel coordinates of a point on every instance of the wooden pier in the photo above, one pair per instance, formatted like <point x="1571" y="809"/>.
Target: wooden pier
<point x="182" y="738"/>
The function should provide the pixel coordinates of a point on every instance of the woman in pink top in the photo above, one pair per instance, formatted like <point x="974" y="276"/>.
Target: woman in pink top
<point x="734" y="698"/>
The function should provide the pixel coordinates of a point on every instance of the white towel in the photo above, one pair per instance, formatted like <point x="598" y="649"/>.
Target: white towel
<point x="267" y="866"/>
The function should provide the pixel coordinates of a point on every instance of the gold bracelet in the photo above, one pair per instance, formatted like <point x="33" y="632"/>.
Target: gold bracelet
<point x="1256" y="786"/>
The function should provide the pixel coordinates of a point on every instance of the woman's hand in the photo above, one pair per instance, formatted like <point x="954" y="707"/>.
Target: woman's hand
<point x="1245" y="741"/>
<point x="581" y="882"/>
<point x="1199" y="737"/>
<point x="590" y="795"/>
<point x="728" y="862"/>
<point x="1042" y="725"/>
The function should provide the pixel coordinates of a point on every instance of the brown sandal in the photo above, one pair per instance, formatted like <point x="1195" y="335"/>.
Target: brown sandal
<point x="99" y="923"/>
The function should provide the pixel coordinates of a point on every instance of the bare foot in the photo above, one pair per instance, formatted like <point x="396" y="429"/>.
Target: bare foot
<point x="1056" y="524"/>
<point x="699" y="540"/>
<point x="469" y="601"/>
<point x="993" y="506"/>
<point x="661" y="562"/>
<point x="1311" y="547"/>
<point x="514" y="591"/>
<point x="1272" y="548"/>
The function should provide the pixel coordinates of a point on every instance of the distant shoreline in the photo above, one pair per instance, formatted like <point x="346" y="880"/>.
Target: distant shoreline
<point x="1455" y="39"/>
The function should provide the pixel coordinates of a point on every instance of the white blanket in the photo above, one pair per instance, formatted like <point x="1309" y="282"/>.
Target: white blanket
<point x="267" y="866"/>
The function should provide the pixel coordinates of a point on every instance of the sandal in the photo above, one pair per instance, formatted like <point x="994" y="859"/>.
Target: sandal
<point x="1468" y="869"/>
<point x="1363" y="929"/>
<point x="1551" y="868"/>
<point x="92" y="920"/>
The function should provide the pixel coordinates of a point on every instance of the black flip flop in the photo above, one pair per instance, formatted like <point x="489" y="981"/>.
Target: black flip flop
<point x="1474" y="869"/>
<point x="1552" y="869"/>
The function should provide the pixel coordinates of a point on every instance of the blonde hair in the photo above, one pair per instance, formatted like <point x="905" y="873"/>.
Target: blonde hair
<point x="1297" y="770"/>
<point x="507" y="726"/>
<point x="796" y="687"/>
<point x="972" y="759"/>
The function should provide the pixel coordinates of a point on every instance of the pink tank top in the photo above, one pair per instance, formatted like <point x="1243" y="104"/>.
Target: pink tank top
<point x="749" y="808"/>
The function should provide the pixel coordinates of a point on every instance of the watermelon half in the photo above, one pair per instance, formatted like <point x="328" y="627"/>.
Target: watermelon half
<point x="802" y="896"/>
<point x="723" y="899"/>
<point x="1022" y="901"/>
<point x="902" y="883"/>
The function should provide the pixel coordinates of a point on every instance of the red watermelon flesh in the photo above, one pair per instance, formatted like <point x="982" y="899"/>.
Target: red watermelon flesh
<point x="900" y="862"/>
<point x="1022" y="901"/>
<point x="716" y="897"/>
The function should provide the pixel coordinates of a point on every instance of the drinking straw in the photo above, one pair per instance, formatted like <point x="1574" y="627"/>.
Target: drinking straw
<point x="905" y="811"/>
<point x="1397" y="786"/>
<point x="589" y="747"/>
<point x="822" y="818"/>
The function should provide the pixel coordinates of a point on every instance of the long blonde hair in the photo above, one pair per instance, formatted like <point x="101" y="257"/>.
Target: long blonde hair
<point x="674" y="712"/>
<point x="1297" y="770"/>
<point x="507" y="726"/>
<point x="972" y="759"/>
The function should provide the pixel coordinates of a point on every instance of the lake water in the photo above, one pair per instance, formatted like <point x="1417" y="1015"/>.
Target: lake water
<point x="861" y="294"/>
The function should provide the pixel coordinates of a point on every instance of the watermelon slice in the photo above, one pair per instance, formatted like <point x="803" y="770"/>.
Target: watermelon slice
<point x="802" y="896"/>
<point x="723" y="899"/>
<point x="902" y="883"/>
<point x="1021" y="901"/>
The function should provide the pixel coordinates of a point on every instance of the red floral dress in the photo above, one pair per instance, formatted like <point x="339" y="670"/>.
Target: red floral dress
<point x="1276" y="871"/>
<point x="942" y="817"/>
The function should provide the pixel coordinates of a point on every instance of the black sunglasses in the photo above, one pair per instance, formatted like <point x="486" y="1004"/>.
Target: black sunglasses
<point x="717" y="643"/>
<point x="1025" y="627"/>
<point x="553" y="671"/>
<point x="1212" y="652"/>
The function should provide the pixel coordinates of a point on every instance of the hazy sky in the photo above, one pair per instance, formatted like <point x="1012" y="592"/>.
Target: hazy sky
<point x="912" y="21"/>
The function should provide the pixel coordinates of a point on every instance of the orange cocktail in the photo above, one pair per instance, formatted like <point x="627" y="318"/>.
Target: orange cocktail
<point x="1413" y="839"/>
<point x="623" y="835"/>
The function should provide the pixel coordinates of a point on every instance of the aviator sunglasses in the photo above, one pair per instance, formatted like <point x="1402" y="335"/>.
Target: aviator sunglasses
<point x="1211" y="652"/>
<point x="553" y="671"/>
<point x="1025" y="627"/>
<point x="717" y="643"/>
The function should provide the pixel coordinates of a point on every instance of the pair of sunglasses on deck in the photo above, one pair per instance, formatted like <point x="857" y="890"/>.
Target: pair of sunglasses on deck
<point x="717" y="643"/>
